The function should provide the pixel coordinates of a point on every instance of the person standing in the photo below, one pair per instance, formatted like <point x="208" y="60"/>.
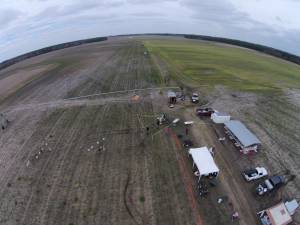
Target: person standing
<point x="235" y="216"/>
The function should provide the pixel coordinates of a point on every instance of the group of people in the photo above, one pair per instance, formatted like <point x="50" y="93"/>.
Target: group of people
<point x="159" y="122"/>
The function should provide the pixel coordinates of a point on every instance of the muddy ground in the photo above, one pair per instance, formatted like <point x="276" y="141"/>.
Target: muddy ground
<point x="90" y="160"/>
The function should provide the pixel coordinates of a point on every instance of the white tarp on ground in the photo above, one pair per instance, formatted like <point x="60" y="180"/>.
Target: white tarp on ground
<point x="204" y="161"/>
<point x="220" y="117"/>
<point x="279" y="215"/>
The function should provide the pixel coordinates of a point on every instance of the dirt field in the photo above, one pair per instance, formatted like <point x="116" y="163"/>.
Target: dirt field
<point x="89" y="161"/>
<point x="77" y="150"/>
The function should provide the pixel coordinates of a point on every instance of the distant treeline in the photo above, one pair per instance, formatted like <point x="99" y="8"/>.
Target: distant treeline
<point x="12" y="61"/>
<point x="257" y="47"/>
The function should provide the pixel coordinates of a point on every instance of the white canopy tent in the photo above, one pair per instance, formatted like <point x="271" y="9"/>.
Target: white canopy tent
<point x="204" y="161"/>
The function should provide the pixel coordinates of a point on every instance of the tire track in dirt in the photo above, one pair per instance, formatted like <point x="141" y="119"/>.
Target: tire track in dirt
<point x="135" y="172"/>
<point x="133" y="187"/>
<point x="125" y="199"/>
<point x="121" y="163"/>
<point x="148" y="108"/>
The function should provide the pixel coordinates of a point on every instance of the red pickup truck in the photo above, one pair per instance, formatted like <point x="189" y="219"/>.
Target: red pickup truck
<point x="204" y="111"/>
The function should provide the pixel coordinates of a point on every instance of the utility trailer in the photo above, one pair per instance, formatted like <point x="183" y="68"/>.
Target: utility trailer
<point x="172" y="98"/>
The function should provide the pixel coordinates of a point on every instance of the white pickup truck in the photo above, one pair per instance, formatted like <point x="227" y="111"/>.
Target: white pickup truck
<point x="195" y="98"/>
<point x="254" y="174"/>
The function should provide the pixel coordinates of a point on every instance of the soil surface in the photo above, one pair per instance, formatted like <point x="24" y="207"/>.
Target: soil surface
<point x="77" y="149"/>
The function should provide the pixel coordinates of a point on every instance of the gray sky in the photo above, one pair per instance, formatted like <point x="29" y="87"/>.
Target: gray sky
<point x="27" y="25"/>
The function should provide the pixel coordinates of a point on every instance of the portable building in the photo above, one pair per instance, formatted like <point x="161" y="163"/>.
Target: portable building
<point x="276" y="215"/>
<point x="291" y="206"/>
<point x="172" y="97"/>
<point x="243" y="138"/>
<point x="220" y="117"/>
<point x="204" y="161"/>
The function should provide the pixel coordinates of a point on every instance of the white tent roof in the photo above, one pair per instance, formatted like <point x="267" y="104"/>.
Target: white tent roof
<point x="203" y="160"/>
<point x="171" y="94"/>
<point x="220" y="114"/>
<point x="279" y="215"/>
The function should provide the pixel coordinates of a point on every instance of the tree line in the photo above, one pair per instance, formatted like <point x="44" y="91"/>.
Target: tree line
<point x="261" y="48"/>
<point x="41" y="51"/>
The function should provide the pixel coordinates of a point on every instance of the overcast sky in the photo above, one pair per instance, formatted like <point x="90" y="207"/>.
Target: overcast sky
<point x="27" y="25"/>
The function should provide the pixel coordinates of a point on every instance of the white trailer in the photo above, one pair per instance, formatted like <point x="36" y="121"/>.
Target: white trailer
<point x="220" y="117"/>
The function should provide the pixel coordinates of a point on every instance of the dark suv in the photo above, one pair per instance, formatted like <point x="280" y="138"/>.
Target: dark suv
<point x="270" y="184"/>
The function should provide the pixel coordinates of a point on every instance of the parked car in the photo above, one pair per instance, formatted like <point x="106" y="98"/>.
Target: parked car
<point x="204" y="111"/>
<point x="188" y="143"/>
<point x="254" y="174"/>
<point x="195" y="98"/>
<point x="162" y="118"/>
<point x="270" y="184"/>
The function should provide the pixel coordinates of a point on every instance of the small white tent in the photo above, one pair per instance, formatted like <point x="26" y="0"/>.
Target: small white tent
<point x="220" y="117"/>
<point x="204" y="161"/>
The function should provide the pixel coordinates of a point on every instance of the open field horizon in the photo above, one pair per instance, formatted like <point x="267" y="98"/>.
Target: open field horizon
<point x="77" y="150"/>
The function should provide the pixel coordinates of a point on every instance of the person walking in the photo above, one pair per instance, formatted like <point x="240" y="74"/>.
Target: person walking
<point x="186" y="131"/>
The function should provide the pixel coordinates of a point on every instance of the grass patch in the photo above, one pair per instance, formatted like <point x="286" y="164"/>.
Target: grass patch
<point x="197" y="63"/>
